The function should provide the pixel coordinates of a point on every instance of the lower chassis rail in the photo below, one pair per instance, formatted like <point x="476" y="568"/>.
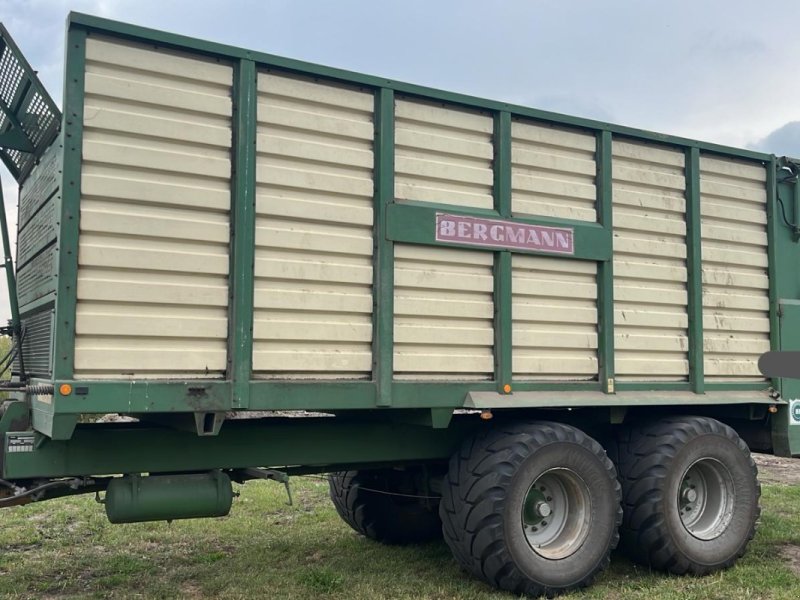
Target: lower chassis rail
<point x="306" y="444"/>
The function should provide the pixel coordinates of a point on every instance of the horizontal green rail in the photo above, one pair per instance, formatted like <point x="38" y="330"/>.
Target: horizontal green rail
<point x="112" y="448"/>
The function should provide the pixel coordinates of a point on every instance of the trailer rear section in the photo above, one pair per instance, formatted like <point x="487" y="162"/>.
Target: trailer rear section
<point x="532" y="334"/>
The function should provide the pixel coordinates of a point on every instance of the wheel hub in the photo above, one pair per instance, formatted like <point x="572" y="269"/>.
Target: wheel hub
<point x="555" y="514"/>
<point x="705" y="499"/>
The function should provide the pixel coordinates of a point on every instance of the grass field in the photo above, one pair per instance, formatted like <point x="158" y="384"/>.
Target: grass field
<point x="266" y="549"/>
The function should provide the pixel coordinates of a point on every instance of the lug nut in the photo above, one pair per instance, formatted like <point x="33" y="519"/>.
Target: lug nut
<point x="543" y="509"/>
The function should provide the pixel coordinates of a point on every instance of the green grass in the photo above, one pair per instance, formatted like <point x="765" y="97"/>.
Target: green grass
<point x="266" y="549"/>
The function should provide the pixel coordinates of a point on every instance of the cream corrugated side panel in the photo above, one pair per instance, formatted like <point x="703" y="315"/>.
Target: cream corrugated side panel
<point x="552" y="172"/>
<point x="443" y="313"/>
<point x="154" y="224"/>
<point x="733" y="208"/>
<point x="554" y="307"/>
<point x="650" y="293"/>
<point x="313" y="286"/>
<point x="443" y="154"/>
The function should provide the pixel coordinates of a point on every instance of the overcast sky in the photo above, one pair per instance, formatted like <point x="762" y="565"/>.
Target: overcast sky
<point x="719" y="70"/>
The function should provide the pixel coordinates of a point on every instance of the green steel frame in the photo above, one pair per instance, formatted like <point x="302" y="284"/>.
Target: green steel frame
<point x="243" y="234"/>
<point x="408" y="222"/>
<point x="605" y="269"/>
<point x="503" y="339"/>
<point x="383" y="271"/>
<point x="694" y="260"/>
<point x="310" y="443"/>
<point x="8" y="265"/>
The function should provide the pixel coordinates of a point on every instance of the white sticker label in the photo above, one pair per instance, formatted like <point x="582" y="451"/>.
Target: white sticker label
<point x="20" y="443"/>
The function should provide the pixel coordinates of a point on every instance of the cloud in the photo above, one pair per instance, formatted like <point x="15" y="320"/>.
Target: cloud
<point x="784" y="141"/>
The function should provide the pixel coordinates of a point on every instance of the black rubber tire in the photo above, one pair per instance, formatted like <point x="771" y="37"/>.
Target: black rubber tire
<point x="386" y="518"/>
<point x="483" y="494"/>
<point x="653" y="459"/>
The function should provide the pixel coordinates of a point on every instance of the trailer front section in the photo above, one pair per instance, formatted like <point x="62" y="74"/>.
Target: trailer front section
<point x="461" y="298"/>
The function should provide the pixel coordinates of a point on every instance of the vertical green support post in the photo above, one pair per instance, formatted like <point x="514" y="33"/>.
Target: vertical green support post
<point x="383" y="261"/>
<point x="795" y="219"/>
<point x="503" y="335"/>
<point x="8" y="265"/>
<point x="605" y="270"/>
<point x="66" y="299"/>
<point x="784" y="440"/>
<point x="694" y="267"/>
<point x="772" y="253"/>
<point x="243" y="233"/>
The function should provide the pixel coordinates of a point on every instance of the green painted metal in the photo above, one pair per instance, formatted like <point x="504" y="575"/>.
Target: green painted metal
<point x="503" y="317"/>
<point x="694" y="266"/>
<point x="134" y="499"/>
<point x="629" y="399"/>
<point x="503" y="320"/>
<point x="438" y="418"/>
<point x="142" y="396"/>
<point x="786" y="430"/>
<point x="317" y="442"/>
<point x="8" y="265"/>
<point x="243" y="234"/>
<point x="31" y="295"/>
<point x="784" y="277"/>
<point x="55" y="425"/>
<point x="50" y="418"/>
<point x="312" y="395"/>
<point x="414" y="223"/>
<point x="502" y="164"/>
<point x="38" y="305"/>
<point x="64" y="353"/>
<point x="15" y="417"/>
<point x="125" y="30"/>
<point x="409" y="394"/>
<point x="32" y="119"/>
<point x="643" y="386"/>
<point x="686" y="385"/>
<point x="14" y="139"/>
<point x="736" y="385"/>
<point x="383" y="261"/>
<point x="796" y="214"/>
<point x="772" y="253"/>
<point x="605" y="270"/>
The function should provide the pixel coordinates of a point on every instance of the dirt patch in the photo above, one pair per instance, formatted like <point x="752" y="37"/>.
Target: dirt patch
<point x="791" y="554"/>
<point x="774" y="469"/>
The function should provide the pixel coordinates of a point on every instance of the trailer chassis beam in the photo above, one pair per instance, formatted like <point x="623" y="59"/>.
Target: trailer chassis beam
<point x="318" y="443"/>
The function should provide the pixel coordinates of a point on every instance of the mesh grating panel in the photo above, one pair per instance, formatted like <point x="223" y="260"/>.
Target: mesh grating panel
<point x="37" y="345"/>
<point x="26" y="110"/>
<point x="11" y="73"/>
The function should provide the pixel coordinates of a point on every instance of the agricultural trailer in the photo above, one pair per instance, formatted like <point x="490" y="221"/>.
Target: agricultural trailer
<point x="531" y="334"/>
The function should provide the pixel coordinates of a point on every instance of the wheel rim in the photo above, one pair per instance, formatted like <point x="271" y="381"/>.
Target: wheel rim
<point x="555" y="513"/>
<point x="705" y="499"/>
